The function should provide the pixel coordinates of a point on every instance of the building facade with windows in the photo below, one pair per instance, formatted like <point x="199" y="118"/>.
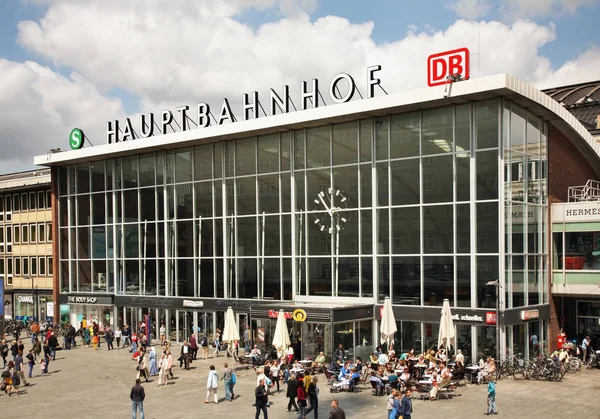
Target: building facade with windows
<point x="26" y="265"/>
<point x="421" y="196"/>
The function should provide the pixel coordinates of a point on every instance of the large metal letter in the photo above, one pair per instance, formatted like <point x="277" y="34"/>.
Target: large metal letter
<point x="225" y="113"/>
<point x="252" y="106"/>
<point x="112" y="132"/>
<point x="304" y="95"/>
<point x="333" y="87"/>
<point x="128" y="131"/>
<point x="203" y="115"/>
<point x="183" y="115"/>
<point x="283" y="104"/>
<point x="167" y="118"/>
<point x="150" y="130"/>
<point x="371" y="81"/>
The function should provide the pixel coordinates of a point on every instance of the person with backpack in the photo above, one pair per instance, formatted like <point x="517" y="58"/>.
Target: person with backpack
<point x="18" y="368"/>
<point x="227" y="378"/>
<point x="204" y="345"/>
<point x="30" y="362"/>
<point x="313" y="397"/>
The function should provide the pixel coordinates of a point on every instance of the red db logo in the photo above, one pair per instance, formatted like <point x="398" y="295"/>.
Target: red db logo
<point x="449" y="63"/>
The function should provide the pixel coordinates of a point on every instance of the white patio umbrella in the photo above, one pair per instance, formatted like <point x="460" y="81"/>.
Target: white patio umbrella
<point x="388" y="322"/>
<point x="446" y="327"/>
<point x="230" y="331"/>
<point x="281" y="337"/>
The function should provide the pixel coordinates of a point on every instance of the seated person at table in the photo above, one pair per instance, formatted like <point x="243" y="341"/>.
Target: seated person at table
<point x="441" y="354"/>
<point x="434" y="391"/>
<point x="373" y="358"/>
<point x="435" y="377"/>
<point x="297" y="365"/>
<point x="392" y="378"/>
<point x="391" y="352"/>
<point x="488" y="369"/>
<point x="376" y="379"/>
<point x="319" y="360"/>
<point x="354" y="376"/>
<point x="430" y="356"/>
<point x="459" y="357"/>
<point x="382" y="359"/>
<point x="378" y="351"/>
<point x="421" y="360"/>
<point x="344" y="371"/>
<point x="255" y="354"/>
<point x="459" y="370"/>
<point x="343" y="383"/>
<point x="445" y="375"/>
<point x="358" y="364"/>
<point x="405" y="376"/>
<point x="336" y="367"/>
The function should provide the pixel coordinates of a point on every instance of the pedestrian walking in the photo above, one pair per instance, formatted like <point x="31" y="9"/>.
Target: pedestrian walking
<point x="163" y="370"/>
<point x="126" y="336"/>
<point x="226" y="378"/>
<point x="4" y="352"/>
<point x="14" y="349"/>
<point x="153" y="362"/>
<point x="193" y="348"/>
<point x="184" y="358"/>
<point x="53" y="344"/>
<point x="301" y="392"/>
<point x="491" y="399"/>
<point x="212" y="384"/>
<point x="37" y="349"/>
<point x="292" y="392"/>
<point x="19" y="368"/>
<point x="137" y="396"/>
<point x="247" y="340"/>
<point x="118" y="335"/>
<point x="35" y="330"/>
<point x="216" y="343"/>
<point x="170" y="363"/>
<point x="336" y="411"/>
<point x="204" y="345"/>
<point x="163" y="334"/>
<point x="261" y="399"/>
<point x="86" y="337"/>
<point x="134" y="342"/>
<point x="406" y="405"/>
<point x="142" y="367"/>
<point x="313" y="397"/>
<point x="30" y="362"/>
<point x="96" y="330"/>
<point x="109" y="336"/>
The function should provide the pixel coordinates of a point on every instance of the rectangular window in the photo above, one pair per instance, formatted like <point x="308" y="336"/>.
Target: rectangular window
<point x="16" y="203"/>
<point x="42" y="265"/>
<point x="48" y="232"/>
<point x="17" y="263"/>
<point x="17" y="230"/>
<point x="24" y="202"/>
<point x="9" y="266"/>
<point x="9" y="280"/>
<point x="33" y="262"/>
<point x="48" y="200"/>
<point x="50" y="268"/>
<point x="40" y="200"/>
<point x="1" y="208"/>
<point x="32" y="200"/>
<point x="24" y="234"/>
<point x="1" y="234"/>
<point x="2" y="272"/>
<point x="42" y="232"/>
<point x="9" y="235"/>
<point x="25" y="266"/>
<point x="33" y="233"/>
<point x="8" y="203"/>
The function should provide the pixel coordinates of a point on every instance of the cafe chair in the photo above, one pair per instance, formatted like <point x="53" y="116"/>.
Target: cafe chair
<point x="375" y="390"/>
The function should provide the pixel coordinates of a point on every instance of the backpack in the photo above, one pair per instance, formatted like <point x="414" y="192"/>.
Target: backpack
<point x="203" y="341"/>
<point x="233" y="378"/>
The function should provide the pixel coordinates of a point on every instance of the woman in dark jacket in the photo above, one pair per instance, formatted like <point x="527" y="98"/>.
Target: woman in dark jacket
<point x="292" y="392"/>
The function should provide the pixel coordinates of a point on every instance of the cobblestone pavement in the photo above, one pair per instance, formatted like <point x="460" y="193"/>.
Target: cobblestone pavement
<point x="85" y="383"/>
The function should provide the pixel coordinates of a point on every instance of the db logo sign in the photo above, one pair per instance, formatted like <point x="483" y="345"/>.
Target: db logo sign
<point x="449" y="63"/>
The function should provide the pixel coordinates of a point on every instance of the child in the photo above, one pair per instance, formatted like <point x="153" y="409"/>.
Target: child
<point x="96" y="340"/>
<point x="43" y="366"/>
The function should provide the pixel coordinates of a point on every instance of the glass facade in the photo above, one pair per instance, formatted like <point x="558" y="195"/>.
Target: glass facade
<point x="436" y="204"/>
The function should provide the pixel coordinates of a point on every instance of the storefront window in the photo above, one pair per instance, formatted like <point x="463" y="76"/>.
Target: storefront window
<point x="408" y="336"/>
<point x="486" y="342"/>
<point x="463" y="339"/>
<point x="580" y="251"/>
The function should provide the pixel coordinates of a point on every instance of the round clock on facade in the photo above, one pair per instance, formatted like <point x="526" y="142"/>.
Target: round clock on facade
<point x="335" y="203"/>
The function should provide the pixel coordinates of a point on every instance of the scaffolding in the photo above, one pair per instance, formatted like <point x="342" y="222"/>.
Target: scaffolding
<point x="588" y="192"/>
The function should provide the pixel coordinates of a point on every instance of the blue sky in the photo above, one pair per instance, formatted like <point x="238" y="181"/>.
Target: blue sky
<point x="66" y="63"/>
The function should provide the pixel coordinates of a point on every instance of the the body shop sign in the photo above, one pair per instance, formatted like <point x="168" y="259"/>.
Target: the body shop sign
<point x="530" y="315"/>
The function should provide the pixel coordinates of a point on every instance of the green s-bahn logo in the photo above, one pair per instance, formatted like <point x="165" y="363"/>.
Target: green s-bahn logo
<point x="76" y="139"/>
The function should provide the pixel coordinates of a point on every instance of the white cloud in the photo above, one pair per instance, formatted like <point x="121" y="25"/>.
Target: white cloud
<point x="470" y="9"/>
<point x="38" y="107"/>
<point x="581" y="69"/>
<point x="200" y="51"/>
<point x="521" y="9"/>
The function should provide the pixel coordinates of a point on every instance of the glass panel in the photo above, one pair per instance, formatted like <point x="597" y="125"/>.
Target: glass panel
<point x="408" y="337"/>
<point x="405" y="182"/>
<point x="487" y="271"/>
<point x="130" y="172"/>
<point x="438" y="280"/>
<point x="83" y="181"/>
<point x="218" y="160"/>
<point x="366" y="193"/>
<point x="486" y="123"/>
<point x="367" y="277"/>
<point x="366" y="136"/>
<point x="299" y="140"/>
<point x="130" y="201"/>
<point x="183" y="165"/>
<point x="203" y="162"/>
<point x="345" y="143"/>
<point x="272" y="277"/>
<point x="406" y="230"/>
<point x="487" y="227"/>
<point x="97" y="175"/>
<point x="486" y="342"/>
<point x="247" y="280"/>
<point x="246" y="195"/>
<point x="301" y="193"/>
<point x="383" y="233"/>
<point x="463" y="228"/>
<point x="463" y="177"/>
<point x="517" y="128"/>
<point x="437" y="136"/>
<point x="98" y="209"/>
<point x="533" y="135"/>
<point x="268" y="153"/>
<point x="463" y="281"/>
<point x="319" y="241"/>
<point x="184" y="204"/>
<point x="285" y="150"/>
<point x="487" y="175"/>
<point x="245" y="157"/>
<point x="348" y="277"/>
<point x="366" y="232"/>
<point x="268" y="193"/>
<point x="318" y="143"/>
<point x="246" y="236"/>
<point x="382" y="184"/>
<point x="404" y="135"/>
<point x="462" y="130"/>
<point x="131" y="239"/>
<point x="147" y="169"/>
<point x="271" y="235"/>
<point x="406" y="275"/>
<point x="438" y="231"/>
<point x="381" y="138"/>
<point x="148" y="209"/>
<point x="286" y="195"/>
<point x="437" y="179"/>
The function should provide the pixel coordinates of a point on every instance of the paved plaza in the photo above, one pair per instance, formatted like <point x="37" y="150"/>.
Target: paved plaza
<point x="85" y="383"/>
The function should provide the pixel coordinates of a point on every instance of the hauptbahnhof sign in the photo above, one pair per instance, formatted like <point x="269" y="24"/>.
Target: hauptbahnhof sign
<point x="148" y="125"/>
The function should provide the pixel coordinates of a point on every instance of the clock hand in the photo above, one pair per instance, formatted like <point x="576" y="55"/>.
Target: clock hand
<point x="325" y="205"/>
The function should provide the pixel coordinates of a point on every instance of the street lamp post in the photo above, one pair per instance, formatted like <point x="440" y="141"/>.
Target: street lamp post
<point x="496" y="285"/>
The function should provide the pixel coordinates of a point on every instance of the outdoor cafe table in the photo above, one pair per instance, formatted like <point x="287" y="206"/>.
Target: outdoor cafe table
<point x="305" y="361"/>
<point x="472" y="372"/>
<point x="297" y="369"/>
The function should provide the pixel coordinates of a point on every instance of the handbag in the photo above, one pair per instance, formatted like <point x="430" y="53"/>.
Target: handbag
<point x="137" y="367"/>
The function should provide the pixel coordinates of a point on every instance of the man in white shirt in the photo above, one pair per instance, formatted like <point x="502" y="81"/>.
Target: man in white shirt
<point x="460" y="357"/>
<point x="584" y="347"/>
<point x="255" y="354"/>
<point x="185" y="355"/>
